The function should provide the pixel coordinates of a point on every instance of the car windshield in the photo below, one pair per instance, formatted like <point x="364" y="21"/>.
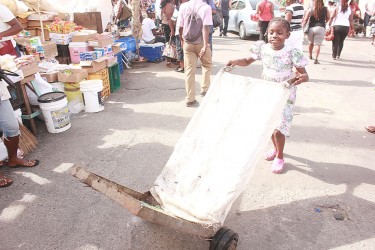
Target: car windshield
<point x="253" y="4"/>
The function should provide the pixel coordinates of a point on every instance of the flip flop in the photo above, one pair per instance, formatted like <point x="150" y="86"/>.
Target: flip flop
<point x="29" y="164"/>
<point x="179" y="70"/>
<point x="7" y="181"/>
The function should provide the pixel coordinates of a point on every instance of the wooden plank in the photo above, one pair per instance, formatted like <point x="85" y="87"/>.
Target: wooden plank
<point x="129" y="199"/>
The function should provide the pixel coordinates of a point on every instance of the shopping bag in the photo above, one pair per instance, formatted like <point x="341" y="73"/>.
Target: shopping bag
<point x="329" y="34"/>
<point x="170" y="50"/>
<point x="254" y="17"/>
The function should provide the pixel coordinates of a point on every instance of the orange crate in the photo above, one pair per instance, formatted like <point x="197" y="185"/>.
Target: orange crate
<point x="106" y="88"/>
<point x="101" y="75"/>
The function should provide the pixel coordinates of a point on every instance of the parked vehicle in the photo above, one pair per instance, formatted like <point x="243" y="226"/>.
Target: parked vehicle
<point x="239" y="17"/>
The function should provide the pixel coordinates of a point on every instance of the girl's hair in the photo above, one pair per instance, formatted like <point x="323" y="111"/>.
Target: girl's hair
<point x="344" y="6"/>
<point x="283" y="21"/>
<point x="318" y="9"/>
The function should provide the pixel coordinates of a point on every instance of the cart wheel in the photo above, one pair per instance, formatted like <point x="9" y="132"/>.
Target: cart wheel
<point x="224" y="239"/>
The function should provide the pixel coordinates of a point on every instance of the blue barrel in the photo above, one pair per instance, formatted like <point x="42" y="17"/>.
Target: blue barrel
<point x="130" y="43"/>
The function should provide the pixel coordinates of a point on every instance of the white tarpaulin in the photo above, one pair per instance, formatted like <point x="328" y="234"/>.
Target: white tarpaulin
<point x="213" y="160"/>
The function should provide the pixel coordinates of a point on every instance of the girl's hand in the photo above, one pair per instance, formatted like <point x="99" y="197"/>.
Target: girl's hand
<point x="231" y="63"/>
<point x="300" y="78"/>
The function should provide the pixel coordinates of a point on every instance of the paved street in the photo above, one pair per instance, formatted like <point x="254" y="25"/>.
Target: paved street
<point x="330" y="167"/>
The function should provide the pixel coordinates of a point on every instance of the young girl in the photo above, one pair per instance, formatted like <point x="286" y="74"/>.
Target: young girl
<point x="278" y="62"/>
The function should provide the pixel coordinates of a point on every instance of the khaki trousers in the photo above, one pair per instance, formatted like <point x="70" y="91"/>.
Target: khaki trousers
<point x="191" y="53"/>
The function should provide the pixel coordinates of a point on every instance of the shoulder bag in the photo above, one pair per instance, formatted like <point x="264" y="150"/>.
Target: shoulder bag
<point x="170" y="50"/>
<point x="329" y="34"/>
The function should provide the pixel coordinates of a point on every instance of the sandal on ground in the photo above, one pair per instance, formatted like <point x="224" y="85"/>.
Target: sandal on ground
<point x="5" y="182"/>
<point x="270" y="155"/>
<point x="190" y="104"/>
<point x="179" y="69"/>
<point x="29" y="164"/>
<point x="277" y="166"/>
<point x="310" y="57"/>
<point x="370" y="129"/>
<point x="316" y="61"/>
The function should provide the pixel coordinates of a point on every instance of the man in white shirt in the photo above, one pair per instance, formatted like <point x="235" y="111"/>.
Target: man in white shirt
<point x="9" y="26"/>
<point x="150" y="35"/>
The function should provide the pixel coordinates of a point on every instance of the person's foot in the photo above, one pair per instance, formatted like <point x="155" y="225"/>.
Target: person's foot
<point x="221" y="33"/>
<point x="4" y="181"/>
<point x="316" y="61"/>
<point x="20" y="163"/>
<point x="270" y="155"/>
<point x="190" y="104"/>
<point x="225" y="35"/>
<point x="370" y="129"/>
<point x="277" y="166"/>
<point x="204" y="93"/>
<point x="337" y="57"/>
<point x="179" y="70"/>
<point x="310" y="57"/>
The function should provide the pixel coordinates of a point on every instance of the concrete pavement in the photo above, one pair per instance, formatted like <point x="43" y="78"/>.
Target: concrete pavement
<point x="330" y="167"/>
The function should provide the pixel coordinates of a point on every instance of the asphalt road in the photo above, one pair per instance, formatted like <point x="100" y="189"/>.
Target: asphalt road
<point x="330" y="167"/>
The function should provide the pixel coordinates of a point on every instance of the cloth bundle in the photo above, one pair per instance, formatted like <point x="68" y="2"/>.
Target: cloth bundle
<point x="213" y="160"/>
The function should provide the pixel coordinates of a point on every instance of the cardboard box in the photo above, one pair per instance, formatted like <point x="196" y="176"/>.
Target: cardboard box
<point x="29" y="69"/>
<point x="100" y="43"/>
<point x="36" y="23"/>
<point x="94" y="66"/>
<point x="50" y="77"/>
<point x="76" y="75"/>
<point x="117" y="48"/>
<point x="82" y="37"/>
<point x="111" y="61"/>
<point x="50" y="49"/>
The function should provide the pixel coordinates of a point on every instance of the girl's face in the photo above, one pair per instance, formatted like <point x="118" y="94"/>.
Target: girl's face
<point x="277" y="34"/>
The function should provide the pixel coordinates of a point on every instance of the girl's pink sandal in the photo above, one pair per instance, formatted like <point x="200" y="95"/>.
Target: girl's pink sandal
<point x="270" y="155"/>
<point x="277" y="166"/>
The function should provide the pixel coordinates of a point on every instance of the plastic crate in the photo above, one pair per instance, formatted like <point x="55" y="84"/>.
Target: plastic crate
<point x="120" y="62"/>
<point x="152" y="52"/>
<point x="104" y="76"/>
<point x="63" y="50"/>
<point x="130" y="43"/>
<point x="114" y="77"/>
<point x="16" y="94"/>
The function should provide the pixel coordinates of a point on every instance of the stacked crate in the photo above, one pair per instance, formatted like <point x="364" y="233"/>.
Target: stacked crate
<point x="114" y="77"/>
<point x="104" y="76"/>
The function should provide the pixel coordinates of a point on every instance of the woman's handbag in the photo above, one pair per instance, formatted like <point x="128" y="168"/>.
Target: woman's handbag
<point x="329" y="34"/>
<point x="170" y="50"/>
<point x="254" y="17"/>
<point x="217" y="20"/>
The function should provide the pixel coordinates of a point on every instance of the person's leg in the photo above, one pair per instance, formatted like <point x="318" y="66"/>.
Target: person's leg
<point x="317" y="52"/>
<point x="4" y="181"/>
<point x="311" y="47"/>
<point x="280" y="143"/>
<point x="190" y="61"/>
<point x="344" y="33"/>
<point x="226" y="20"/>
<point x="262" y="30"/>
<point x="206" y="70"/>
<point x="167" y="32"/>
<point x="9" y="126"/>
<point x="335" y="42"/>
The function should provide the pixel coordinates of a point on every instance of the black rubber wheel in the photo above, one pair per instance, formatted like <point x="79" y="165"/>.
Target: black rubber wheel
<point x="224" y="239"/>
<point x="242" y="31"/>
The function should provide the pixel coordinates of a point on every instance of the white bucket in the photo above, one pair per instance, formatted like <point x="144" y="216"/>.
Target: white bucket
<point x="58" y="86"/>
<point x="92" y="95"/>
<point x="54" y="106"/>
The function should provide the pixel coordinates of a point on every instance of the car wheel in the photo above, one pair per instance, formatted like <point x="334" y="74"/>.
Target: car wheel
<point x="242" y="31"/>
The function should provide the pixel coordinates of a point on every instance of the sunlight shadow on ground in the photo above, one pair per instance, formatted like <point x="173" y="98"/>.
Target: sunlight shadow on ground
<point x="15" y="209"/>
<point x="35" y="178"/>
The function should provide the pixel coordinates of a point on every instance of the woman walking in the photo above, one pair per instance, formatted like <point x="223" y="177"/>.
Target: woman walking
<point x="318" y="16"/>
<point x="265" y="11"/>
<point x="167" y="9"/>
<point x="343" y="21"/>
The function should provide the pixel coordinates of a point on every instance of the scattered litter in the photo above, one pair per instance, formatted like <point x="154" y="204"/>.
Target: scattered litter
<point x="339" y="215"/>
<point x="318" y="210"/>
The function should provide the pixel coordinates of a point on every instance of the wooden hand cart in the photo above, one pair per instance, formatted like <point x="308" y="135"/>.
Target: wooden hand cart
<point x="137" y="203"/>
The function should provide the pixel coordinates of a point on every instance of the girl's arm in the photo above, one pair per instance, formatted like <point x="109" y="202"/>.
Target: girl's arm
<point x="332" y="17"/>
<point x="301" y="76"/>
<point x="241" y="62"/>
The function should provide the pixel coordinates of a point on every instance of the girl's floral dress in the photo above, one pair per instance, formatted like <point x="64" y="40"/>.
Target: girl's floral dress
<point x="277" y="67"/>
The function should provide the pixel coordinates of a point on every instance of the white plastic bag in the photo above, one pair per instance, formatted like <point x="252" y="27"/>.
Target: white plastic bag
<point x="42" y="86"/>
<point x="213" y="160"/>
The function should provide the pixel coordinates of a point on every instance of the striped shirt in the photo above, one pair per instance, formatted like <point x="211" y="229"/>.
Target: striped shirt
<point x="297" y="15"/>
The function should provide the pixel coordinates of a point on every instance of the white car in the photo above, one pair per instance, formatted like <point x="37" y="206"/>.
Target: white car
<point x="239" y="17"/>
